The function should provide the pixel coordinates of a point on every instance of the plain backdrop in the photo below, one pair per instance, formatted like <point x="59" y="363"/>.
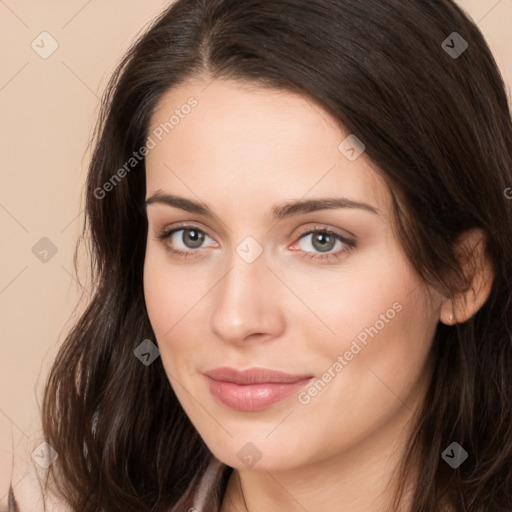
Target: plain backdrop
<point x="48" y="107"/>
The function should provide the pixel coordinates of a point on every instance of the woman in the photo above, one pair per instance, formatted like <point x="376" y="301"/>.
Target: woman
<point x="302" y="260"/>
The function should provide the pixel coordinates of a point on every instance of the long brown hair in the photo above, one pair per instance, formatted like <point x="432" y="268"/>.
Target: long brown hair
<point x="437" y="126"/>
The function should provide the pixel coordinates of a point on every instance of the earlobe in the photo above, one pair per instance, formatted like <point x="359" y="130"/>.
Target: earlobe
<point x="478" y="269"/>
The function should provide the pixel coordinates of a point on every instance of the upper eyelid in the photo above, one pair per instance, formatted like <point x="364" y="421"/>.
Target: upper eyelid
<point x="168" y="232"/>
<point x="341" y="231"/>
<point x="320" y="227"/>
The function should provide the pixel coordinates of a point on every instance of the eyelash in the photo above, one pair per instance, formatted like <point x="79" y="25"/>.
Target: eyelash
<point x="349" y="244"/>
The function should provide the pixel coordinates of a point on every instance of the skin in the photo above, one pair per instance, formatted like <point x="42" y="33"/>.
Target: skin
<point x="241" y="151"/>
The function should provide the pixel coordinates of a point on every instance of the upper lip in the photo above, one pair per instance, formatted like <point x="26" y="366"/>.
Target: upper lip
<point x="253" y="375"/>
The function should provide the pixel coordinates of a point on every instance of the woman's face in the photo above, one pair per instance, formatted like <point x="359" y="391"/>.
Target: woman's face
<point x="342" y="312"/>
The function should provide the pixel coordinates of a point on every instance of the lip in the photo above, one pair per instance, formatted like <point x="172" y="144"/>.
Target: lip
<point x="253" y="389"/>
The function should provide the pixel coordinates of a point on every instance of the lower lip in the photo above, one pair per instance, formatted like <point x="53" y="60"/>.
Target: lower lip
<point x="253" y="397"/>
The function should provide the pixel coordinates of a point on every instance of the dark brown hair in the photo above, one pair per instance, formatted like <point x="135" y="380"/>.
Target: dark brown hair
<point x="437" y="127"/>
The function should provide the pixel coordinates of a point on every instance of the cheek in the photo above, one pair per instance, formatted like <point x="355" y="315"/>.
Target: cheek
<point x="157" y="291"/>
<point x="168" y="288"/>
<point x="174" y="296"/>
<point x="165" y="294"/>
<point x="382" y="324"/>
<point x="373" y="296"/>
<point x="379" y="356"/>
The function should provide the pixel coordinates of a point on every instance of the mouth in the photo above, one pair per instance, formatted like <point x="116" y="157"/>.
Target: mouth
<point x="253" y="389"/>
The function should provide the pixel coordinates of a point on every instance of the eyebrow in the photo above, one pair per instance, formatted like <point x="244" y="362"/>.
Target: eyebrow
<point x="278" y="212"/>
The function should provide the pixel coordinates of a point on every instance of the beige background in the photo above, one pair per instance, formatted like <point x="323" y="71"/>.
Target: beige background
<point x="48" y="109"/>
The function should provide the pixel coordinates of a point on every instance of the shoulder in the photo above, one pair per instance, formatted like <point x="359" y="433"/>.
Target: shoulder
<point x="21" y="486"/>
<point x="18" y="488"/>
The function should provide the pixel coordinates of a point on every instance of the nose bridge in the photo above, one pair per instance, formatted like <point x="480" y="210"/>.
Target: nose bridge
<point x="245" y="301"/>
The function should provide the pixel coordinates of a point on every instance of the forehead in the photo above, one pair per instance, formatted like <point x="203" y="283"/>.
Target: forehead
<point x="257" y="145"/>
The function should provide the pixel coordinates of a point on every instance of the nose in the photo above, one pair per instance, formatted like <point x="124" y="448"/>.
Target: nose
<point x="247" y="304"/>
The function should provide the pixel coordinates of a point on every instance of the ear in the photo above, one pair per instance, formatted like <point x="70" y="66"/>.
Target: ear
<point x="478" y="269"/>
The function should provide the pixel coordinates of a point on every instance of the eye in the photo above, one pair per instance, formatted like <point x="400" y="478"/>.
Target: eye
<point x="183" y="241"/>
<point x="323" y="241"/>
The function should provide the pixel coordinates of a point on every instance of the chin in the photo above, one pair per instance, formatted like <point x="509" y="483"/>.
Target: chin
<point x="255" y="451"/>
